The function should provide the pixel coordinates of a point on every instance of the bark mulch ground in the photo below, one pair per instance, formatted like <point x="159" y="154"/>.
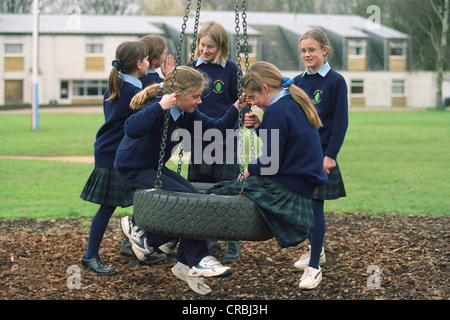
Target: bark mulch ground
<point x="410" y="252"/>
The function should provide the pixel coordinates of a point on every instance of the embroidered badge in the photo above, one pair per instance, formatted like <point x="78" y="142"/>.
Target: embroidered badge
<point x="317" y="96"/>
<point x="218" y="86"/>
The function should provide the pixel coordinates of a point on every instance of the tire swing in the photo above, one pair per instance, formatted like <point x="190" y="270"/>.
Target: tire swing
<point x="201" y="216"/>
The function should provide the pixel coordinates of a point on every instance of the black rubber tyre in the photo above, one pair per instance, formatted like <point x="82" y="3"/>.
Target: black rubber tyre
<point x="199" y="216"/>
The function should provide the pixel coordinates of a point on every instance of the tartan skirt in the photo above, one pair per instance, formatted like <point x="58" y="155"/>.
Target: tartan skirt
<point x="334" y="188"/>
<point x="104" y="187"/>
<point x="289" y="214"/>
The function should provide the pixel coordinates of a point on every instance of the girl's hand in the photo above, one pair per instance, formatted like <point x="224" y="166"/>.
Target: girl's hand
<point x="168" y="101"/>
<point x="252" y="120"/>
<point x="246" y="175"/>
<point x="168" y="66"/>
<point x="244" y="102"/>
<point x="328" y="164"/>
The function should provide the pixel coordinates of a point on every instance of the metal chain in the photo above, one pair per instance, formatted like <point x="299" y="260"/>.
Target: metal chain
<point x="158" y="182"/>
<point x="191" y="64"/>
<point x="239" y="77"/>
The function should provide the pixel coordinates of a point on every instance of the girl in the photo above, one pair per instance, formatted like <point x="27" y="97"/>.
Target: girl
<point x="212" y="58"/>
<point x="157" y="47"/>
<point x="138" y="156"/>
<point x="103" y="186"/>
<point x="284" y="195"/>
<point x="328" y="91"/>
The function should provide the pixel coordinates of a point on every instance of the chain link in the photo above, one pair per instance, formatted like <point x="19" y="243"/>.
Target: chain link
<point x="158" y="182"/>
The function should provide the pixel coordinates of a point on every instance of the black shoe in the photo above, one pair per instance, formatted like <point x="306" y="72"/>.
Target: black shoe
<point x="233" y="253"/>
<point x="97" y="265"/>
<point x="125" y="249"/>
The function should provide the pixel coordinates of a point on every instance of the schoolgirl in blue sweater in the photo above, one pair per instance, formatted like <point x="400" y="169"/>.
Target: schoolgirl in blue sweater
<point x="157" y="58"/>
<point x="103" y="186"/>
<point x="328" y="91"/>
<point x="211" y="56"/>
<point x="138" y="156"/>
<point x="282" y="187"/>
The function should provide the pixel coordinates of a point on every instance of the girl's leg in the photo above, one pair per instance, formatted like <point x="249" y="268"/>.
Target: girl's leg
<point x="98" y="228"/>
<point x="318" y="234"/>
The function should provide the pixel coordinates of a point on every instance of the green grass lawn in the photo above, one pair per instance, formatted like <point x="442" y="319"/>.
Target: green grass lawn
<point x="391" y="162"/>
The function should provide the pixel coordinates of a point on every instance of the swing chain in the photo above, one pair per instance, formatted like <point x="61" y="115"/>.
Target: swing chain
<point x="239" y="77"/>
<point x="191" y="64"/>
<point x="158" y="182"/>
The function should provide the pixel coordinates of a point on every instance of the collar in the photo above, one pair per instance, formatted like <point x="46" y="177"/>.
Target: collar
<point x="200" y="61"/>
<point x="176" y="113"/>
<point x="132" y="80"/>
<point x="149" y="71"/>
<point x="279" y="95"/>
<point x="322" y="71"/>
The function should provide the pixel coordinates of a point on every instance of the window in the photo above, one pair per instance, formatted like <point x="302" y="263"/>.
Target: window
<point x="357" y="48"/>
<point x="398" y="87"/>
<point x="251" y="48"/>
<point x="357" y="87"/>
<point x="64" y="90"/>
<point x="89" y="88"/>
<point x="94" y="45"/>
<point x="13" y="46"/>
<point x="398" y="50"/>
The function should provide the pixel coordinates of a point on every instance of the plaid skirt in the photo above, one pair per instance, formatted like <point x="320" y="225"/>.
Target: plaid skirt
<point x="334" y="189"/>
<point x="214" y="172"/>
<point x="103" y="187"/>
<point x="289" y="214"/>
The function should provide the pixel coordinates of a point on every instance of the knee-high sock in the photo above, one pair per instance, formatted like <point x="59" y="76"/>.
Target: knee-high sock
<point x="98" y="227"/>
<point x="318" y="235"/>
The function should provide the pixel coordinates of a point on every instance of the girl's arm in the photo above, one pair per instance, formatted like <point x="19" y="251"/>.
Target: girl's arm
<point x="142" y="122"/>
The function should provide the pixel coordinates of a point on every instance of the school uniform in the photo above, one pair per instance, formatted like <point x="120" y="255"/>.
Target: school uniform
<point x="103" y="186"/>
<point x="138" y="156"/>
<point x="216" y="100"/>
<point x="284" y="196"/>
<point x="328" y="91"/>
<point x="152" y="77"/>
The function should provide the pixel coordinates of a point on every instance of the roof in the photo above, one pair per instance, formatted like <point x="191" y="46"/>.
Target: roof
<point x="83" y="24"/>
<point x="346" y="26"/>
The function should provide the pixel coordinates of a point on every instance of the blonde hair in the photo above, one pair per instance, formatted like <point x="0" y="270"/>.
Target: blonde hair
<point x="262" y="72"/>
<point x="219" y="36"/>
<point x="321" y="37"/>
<point x="186" y="80"/>
<point x="127" y="56"/>
<point x="156" y="46"/>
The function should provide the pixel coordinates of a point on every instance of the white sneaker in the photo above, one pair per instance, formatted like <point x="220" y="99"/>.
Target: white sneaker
<point x="137" y="238"/>
<point x="195" y="283"/>
<point x="169" y="247"/>
<point x="311" y="278"/>
<point x="303" y="262"/>
<point x="209" y="267"/>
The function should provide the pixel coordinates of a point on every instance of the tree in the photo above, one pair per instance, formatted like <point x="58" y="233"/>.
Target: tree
<point x="16" y="6"/>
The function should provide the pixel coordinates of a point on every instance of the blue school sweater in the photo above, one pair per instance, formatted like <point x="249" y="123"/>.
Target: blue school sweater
<point x="222" y="92"/>
<point x="300" y="157"/>
<point x="111" y="132"/>
<point x="141" y="145"/>
<point x="152" y="77"/>
<point x="329" y="94"/>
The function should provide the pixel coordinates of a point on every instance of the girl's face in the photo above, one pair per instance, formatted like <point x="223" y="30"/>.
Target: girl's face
<point x="313" y="54"/>
<point x="156" y="63"/>
<point x="208" y="49"/>
<point x="142" y="67"/>
<point x="188" y="102"/>
<point x="257" y="98"/>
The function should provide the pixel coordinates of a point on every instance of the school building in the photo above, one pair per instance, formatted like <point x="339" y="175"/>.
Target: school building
<point x="75" y="54"/>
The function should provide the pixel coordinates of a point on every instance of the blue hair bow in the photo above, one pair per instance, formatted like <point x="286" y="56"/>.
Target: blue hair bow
<point x="287" y="82"/>
<point x="117" y="63"/>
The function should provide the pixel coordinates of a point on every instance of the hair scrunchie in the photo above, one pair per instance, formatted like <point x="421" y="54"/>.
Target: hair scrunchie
<point x="287" y="82"/>
<point x="117" y="63"/>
